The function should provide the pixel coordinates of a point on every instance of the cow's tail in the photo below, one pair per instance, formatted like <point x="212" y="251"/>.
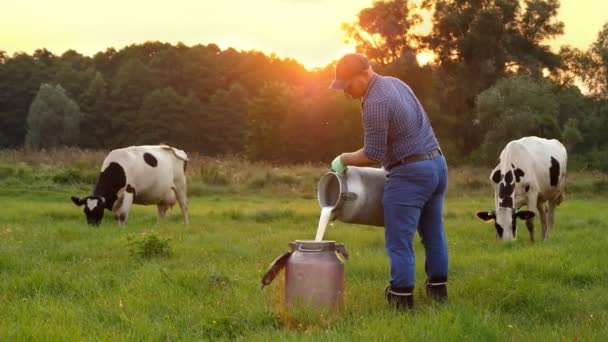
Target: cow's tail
<point x="176" y="152"/>
<point x="179" y="154"/>
<point x="185" y="165"/>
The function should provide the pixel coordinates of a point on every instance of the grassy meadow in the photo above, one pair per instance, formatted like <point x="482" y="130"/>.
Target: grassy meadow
<point x="63" y="280"/>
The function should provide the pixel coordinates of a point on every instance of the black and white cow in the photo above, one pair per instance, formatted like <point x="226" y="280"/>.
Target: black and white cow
<point x="138" y="175"/>
<point x="531" y="171"/>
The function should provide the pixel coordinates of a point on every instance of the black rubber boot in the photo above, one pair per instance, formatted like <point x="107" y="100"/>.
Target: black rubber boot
<point x="437" y="289"/>
<point x="400" y="298"/>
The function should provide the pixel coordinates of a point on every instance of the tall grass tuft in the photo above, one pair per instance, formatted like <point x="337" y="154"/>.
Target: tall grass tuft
<point x="149" y="245"/>
<point x="78" y="169"/>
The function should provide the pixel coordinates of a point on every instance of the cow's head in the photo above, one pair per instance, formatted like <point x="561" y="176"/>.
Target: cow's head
<point x="505" y="221"/>
<point x="93" y="208"/>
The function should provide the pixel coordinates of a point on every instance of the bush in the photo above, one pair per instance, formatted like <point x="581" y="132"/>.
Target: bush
<point x="20" y="172"/>
<point x="148" y="246"/>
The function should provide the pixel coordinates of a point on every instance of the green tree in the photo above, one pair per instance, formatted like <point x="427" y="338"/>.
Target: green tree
<point x="106" y="62"/>
<point x="200" y="71"/>
<point x="333" y="125"/>
<point x="53" y="118"/>
<point x="383" y="31"/>
<point x="513" y="108"/>
<point x="494" y="36"/>
<point x="74" y="72"/>
<point x="20" y="78"/>
<point x="160" y="113"/>
<point x="193" y="136"/>
<point x="571" y="134"/>
<point x="594" y="65"/>
<point x="266" y="113"/>
<point x="95" y="127"/>
<point x="570" y="68"/>
<point x="478" y="42"/>
<point x="226" y="121"/>
<point x="133" y="81"/>
<point x="45" y="57"/>
<point x="168" y="69"/>
<point x="594" y="127"/>
<point x="572" y="104"/>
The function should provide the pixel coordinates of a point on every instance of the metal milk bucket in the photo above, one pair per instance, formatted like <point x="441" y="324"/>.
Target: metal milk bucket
<point x="356" y="195"/>
<point x="314" y="273"/>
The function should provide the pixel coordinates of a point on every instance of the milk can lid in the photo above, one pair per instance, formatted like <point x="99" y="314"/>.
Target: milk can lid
<point x="313" y="245"/>
<point x="319" y="246"/>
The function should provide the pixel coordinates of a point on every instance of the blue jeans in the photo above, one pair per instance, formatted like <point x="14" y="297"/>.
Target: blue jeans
<point x="413" y="199"/>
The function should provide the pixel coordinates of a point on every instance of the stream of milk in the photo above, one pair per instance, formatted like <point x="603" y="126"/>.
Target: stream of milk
<point x="323" y="221"/>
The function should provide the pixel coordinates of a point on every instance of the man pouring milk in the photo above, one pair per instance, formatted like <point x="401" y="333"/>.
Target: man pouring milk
<point x="398" y="134"/>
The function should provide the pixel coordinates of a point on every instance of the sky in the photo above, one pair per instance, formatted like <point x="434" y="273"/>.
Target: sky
<point x="307" y="30"/>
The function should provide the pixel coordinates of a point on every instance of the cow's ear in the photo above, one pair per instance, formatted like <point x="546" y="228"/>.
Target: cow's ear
<point x="524" y="214"/>
<point x="486" y="215"/>
<point x="77" y="201"/>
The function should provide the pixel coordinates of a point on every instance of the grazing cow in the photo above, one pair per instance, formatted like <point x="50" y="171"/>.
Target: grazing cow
<point x="140" y="175"/>
<point x="531" y="171"/>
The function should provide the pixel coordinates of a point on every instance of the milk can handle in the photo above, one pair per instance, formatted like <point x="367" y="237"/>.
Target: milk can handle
<point x="342" y="250"/>
<point x="348" y="196"/>
<point x="275" y="267"/>
<point x="305" y="249"/>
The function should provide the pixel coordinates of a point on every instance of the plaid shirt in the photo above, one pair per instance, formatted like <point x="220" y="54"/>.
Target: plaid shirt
<point x="394" y="123"/>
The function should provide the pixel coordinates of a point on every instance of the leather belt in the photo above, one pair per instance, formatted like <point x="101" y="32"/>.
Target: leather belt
<point x="417" y="157"/>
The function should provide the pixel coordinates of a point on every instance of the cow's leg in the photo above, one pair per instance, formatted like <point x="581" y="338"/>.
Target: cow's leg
<point x="182" y="198"/>
<point x="530" y="225"/>
<point x="550" y="216"/>
<point x="121" y="211"/>
<point x="542" y="209"/>
<point x="116" y="208"/>
<point x="530" y="222"/>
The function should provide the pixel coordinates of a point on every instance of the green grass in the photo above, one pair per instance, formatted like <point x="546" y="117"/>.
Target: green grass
<point x="62" y="280"/>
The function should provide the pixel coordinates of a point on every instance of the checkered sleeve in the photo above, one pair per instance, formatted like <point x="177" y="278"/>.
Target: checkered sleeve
<point x="375" y="128"/>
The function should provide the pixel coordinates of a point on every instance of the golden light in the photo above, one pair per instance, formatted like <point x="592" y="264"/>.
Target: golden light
<point x="306" y="30"/>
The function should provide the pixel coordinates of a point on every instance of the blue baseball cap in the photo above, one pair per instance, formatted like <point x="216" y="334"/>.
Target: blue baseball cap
<point x="348" y="66"/>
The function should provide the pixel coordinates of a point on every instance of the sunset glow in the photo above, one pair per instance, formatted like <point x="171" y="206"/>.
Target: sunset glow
<point x="308" y="31"/>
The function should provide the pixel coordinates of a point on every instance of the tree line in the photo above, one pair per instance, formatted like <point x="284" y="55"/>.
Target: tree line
<point x="493" y="79"/>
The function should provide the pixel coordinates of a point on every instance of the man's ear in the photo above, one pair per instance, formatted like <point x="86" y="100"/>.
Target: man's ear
<point x="524" y="214"/>
<point x="77" y="201"/>
<point x="486" y="215"/>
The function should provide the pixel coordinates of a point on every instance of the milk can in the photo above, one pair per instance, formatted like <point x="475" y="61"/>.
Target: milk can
<point x="355" y="196"/>
<point x="314" y="273"/>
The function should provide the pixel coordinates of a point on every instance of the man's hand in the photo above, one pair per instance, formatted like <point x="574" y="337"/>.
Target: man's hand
<point x="337" y="165"/>
<point x="357" y="158"/>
